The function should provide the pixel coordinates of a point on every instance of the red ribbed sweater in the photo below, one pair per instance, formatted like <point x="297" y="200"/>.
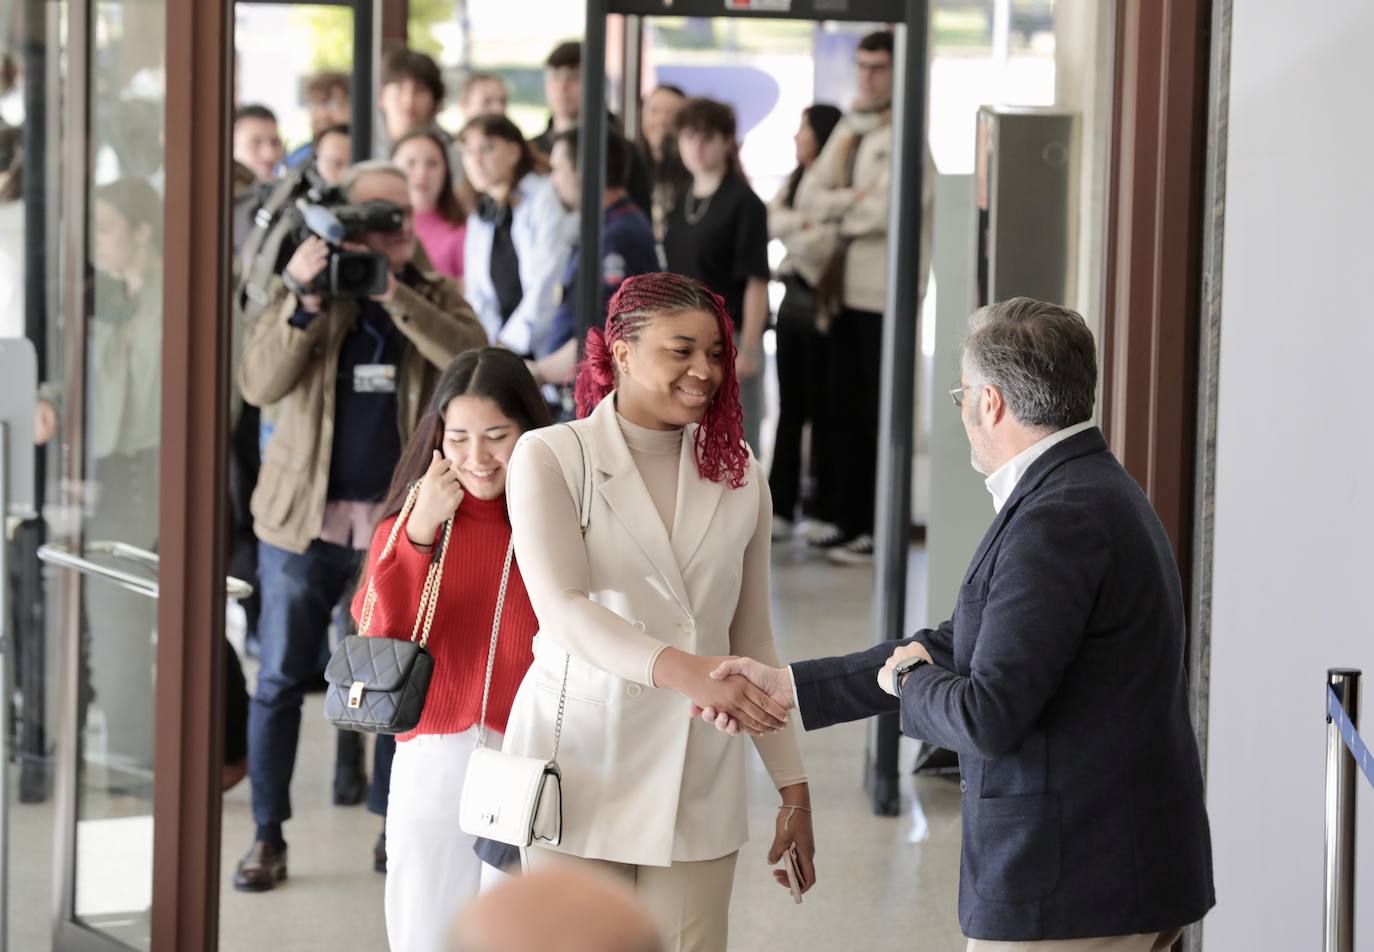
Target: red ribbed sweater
<point x="461" y="633"/>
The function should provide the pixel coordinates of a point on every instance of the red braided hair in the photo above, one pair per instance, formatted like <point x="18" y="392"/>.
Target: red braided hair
<point x="722" y="455"/>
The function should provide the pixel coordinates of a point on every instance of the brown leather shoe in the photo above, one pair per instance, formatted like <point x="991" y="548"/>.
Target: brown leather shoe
<point x="261" y="868"/>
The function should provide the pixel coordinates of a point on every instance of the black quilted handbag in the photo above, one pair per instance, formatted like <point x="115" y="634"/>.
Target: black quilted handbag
<point x="378" y="684"/>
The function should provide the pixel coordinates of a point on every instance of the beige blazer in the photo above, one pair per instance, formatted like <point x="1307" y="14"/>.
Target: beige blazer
<point x="643" y="783"/>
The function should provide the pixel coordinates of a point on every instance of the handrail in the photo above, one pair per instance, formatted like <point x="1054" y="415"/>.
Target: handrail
<point x="55" y="554"/>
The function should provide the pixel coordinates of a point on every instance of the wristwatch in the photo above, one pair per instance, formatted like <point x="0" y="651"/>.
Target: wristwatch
<point x="904" y="667"/>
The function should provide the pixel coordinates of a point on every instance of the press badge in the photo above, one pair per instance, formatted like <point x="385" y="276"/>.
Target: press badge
<point x="374" y="378"/>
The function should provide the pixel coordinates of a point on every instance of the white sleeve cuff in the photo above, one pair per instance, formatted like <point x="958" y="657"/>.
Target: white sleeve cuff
<point x="796" y="701"/>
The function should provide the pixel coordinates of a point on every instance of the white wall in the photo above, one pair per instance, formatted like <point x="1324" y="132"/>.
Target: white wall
<point x="1295" y="497"/>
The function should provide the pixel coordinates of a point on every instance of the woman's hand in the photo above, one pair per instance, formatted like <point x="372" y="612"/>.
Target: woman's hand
<point x="794" y="826"/>
<point x="736" y="696"/>
<point x="440" y="496"/>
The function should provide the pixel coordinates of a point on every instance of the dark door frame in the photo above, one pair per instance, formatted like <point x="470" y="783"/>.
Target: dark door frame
<point x="1153" y="297"/>
<point x="1162" y="284"/>
<point x="194" y="465"/>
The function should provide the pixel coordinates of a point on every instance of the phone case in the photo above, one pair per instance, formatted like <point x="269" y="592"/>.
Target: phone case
<point x="794" y="878"/>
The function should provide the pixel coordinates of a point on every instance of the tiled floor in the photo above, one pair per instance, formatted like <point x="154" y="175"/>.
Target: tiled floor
<point x="876" y="888"/>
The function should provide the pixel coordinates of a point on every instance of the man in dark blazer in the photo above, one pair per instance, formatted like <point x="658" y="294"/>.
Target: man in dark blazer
<point x="1059" y="680"/>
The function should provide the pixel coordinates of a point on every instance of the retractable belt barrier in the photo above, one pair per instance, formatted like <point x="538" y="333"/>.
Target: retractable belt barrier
<point x="1353" y="741"/>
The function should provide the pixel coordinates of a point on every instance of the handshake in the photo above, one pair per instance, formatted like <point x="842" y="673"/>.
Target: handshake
<point x="758" y="697"/>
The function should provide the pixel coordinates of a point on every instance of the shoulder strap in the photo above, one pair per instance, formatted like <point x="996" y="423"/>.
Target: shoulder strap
<point x="585" y="510"/>
<point x="429" y="594"/>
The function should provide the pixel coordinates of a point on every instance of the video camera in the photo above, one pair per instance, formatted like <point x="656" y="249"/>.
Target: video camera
<point x="305" y="205"/>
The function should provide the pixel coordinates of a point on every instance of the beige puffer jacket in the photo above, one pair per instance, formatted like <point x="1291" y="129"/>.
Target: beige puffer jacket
<point x="861" y="210"/>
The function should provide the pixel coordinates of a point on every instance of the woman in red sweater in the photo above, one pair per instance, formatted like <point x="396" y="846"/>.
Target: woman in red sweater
<point x="482" y="403"/>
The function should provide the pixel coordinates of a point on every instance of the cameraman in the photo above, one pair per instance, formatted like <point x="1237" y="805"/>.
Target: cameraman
<point x="350" y="378"/>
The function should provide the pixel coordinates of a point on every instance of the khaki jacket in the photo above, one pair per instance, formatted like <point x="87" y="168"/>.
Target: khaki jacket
<point x="297" y="369"/>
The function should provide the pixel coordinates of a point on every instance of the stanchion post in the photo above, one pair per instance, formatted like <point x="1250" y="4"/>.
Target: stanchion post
<point x="1338" y="919"/>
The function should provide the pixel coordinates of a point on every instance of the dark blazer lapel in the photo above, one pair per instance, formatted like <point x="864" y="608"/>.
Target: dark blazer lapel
<point x="624" y="491"/>
<point x="1080" y="444"/>
<point x="697" y="502"/>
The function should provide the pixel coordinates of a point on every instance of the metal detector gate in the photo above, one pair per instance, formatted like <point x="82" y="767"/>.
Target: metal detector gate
<point x="893" y="518"/>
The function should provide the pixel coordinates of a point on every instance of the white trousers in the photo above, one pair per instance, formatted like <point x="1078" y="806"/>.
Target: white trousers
<point x="431" y="870"/>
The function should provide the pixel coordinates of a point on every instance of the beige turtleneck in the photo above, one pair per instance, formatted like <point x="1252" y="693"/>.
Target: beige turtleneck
<point x="656" y="454"/>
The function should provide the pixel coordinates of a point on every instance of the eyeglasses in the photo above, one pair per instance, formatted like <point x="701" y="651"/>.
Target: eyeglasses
<point x="956" y="393"/>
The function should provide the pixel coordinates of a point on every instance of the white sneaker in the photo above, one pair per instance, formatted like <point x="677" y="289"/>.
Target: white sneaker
<point x="857" y="551"/>
<point x="822" y="535"/>
<point x="783" y="529"/>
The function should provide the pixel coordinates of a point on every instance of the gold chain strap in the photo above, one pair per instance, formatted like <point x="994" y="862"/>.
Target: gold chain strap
<point x="429" y="598"/>
<point x="424" y="615"/>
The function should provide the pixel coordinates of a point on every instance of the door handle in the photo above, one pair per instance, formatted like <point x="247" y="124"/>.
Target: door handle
<point x="62" y="556"/>
<point x="233" y="587"/>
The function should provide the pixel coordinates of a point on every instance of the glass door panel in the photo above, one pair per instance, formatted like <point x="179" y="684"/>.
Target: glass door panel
<point x="111" y="877"/>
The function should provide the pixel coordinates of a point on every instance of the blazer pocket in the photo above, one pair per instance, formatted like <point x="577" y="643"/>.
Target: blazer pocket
<point x="1012" y="846"/>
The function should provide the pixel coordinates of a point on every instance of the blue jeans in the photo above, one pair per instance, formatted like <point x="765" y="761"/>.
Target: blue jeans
<point x="299" y="593"/>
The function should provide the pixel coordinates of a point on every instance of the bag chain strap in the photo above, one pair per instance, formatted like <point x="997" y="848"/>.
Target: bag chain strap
<point x="429" y="595"/>
<point x="491" y="652"/>
<point x="584" y="520"/>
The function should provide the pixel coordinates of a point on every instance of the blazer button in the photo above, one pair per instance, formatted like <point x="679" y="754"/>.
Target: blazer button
<point x="963" y="786"/>
<point x="640" y="626"/>
<point x="634" y="690"/>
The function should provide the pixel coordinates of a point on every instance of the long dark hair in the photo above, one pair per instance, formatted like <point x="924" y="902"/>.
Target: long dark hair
<point x="500" y="127"/>
<point x="822" y="118"/>
<point x="448" y="206"/>
<point x="491" y="372"/>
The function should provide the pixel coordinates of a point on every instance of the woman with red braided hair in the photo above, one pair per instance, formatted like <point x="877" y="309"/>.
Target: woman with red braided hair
<point x="671" y="573"/>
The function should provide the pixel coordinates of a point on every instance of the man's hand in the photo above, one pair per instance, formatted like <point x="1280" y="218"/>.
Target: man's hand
<point x="913" y="650"/>
<point x="695" y="677"/>
<point x="775" y="682"/>
<point x="308" y="260"/>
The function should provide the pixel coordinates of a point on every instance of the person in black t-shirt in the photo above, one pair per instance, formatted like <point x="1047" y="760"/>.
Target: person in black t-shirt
<point x="718" y="234"/>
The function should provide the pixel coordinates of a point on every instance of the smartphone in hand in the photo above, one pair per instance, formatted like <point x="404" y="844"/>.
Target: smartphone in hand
<point x="794" y="877"/>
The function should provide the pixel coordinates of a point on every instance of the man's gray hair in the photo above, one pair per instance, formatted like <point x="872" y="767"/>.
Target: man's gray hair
<point x="357" y="172"/>
<point x="1041" y="356"/>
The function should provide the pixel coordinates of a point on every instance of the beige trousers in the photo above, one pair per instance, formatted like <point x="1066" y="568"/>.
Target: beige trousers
<point x="689" y="901"/>
<point x="1151" y="942"/>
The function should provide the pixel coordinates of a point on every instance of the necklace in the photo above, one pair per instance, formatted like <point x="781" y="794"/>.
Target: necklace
<point x="703" y="206"/>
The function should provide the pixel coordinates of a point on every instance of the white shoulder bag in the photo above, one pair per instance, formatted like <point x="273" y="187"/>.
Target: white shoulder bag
<point x="506" y="797"/>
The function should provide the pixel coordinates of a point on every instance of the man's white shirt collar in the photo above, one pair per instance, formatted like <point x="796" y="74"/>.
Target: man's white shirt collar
<point x="1003" y="482"/>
